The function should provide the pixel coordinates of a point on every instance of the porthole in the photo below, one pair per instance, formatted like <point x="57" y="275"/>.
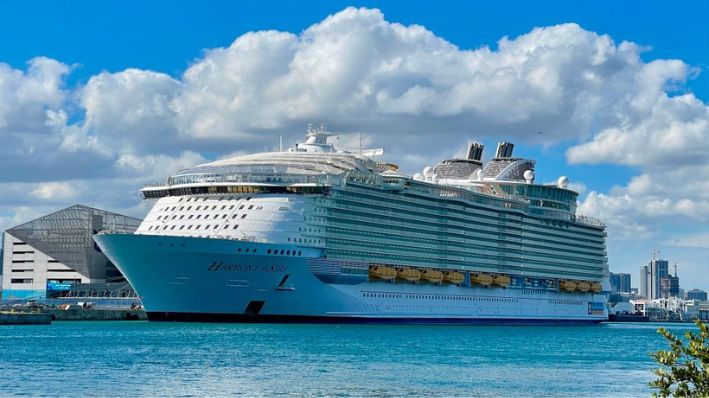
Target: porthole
<point x="269" y="251"/>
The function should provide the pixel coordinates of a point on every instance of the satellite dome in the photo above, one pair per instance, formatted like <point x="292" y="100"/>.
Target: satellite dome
<point x="563" y="182"/>
<point x="529" y="176"/>
<point x="427" y="171"/>
<point x="418" y="177"/>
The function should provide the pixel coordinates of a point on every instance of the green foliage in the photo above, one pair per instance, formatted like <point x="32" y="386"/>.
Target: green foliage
<point x="685" y="367"/>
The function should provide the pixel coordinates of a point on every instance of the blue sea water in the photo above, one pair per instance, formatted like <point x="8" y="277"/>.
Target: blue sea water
<point x="191" y="359"/>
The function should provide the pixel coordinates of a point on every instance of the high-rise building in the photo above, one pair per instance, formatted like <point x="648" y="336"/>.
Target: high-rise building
<point x="669" y="287"/>
<point x="650" y="277"/>
<point x="620" y="283"/>
<point x="695" y="294"/>
<point x="56" y="251"/>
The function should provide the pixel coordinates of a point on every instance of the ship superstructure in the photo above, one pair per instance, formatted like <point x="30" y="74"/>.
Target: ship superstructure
<point x="319" y="234"/>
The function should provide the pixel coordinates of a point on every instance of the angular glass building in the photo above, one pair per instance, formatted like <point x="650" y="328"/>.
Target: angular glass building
<point x="57" y="251"/>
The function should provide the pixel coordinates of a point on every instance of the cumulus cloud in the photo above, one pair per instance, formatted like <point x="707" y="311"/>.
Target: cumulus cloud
<point x="405" y="87"/>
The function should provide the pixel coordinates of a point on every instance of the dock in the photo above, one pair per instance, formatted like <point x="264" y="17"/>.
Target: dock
<point x="25" y="318"/>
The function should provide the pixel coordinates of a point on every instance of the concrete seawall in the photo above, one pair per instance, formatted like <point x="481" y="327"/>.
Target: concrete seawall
<point x="79" y="314"/>
<point x="20" y="318"/>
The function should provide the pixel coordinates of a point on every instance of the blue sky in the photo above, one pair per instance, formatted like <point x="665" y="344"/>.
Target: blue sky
<point x="84" y="141"/>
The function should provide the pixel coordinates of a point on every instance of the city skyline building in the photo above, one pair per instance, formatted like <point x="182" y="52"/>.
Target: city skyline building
<point x="620" y="282"/>
<point x="695" y="294"/>
<point x="651" y="276"/>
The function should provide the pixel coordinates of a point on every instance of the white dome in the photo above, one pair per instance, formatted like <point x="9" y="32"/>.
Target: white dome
<point x="418" y="177"/>
<point x="529" y="176"/>
<point x="563" y="182"/>
<point x="427" y="171"/>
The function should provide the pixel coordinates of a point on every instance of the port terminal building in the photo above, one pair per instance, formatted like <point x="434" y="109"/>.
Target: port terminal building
<point x="56" y="253"/>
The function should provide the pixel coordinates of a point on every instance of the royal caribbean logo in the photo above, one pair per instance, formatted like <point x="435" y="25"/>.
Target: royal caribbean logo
<point x="232" y="267"/>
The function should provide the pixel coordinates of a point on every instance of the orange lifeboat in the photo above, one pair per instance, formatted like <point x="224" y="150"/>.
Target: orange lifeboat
<point x="480" y="278"/>
<point x="569" y="286"/>
<point x="582" y="286"/>
<point x="596" y="287"/>
<point x="501" y="280"/>
<point x="409" y="274"/>
<point x="454" y="277"/>
<point x="381" y="272"/>
<point x="432" y="275"/>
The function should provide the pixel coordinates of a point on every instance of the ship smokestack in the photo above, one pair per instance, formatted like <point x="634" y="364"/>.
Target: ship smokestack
<point x="475" y="151"/>
<point x="504" y="149"/>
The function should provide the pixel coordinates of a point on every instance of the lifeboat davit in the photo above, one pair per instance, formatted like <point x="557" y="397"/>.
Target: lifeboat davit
<point x="432" y="275"/>
<point x="480" y="278"/>
<point x="596" y="287"/>
<point x="453" y="277"/>
<point x="501" y="280"/>
<point x="409" y="274"/>
<point x="583" y="286"/>
<point x="381" y="272"/>
<point x="569" y="286"/>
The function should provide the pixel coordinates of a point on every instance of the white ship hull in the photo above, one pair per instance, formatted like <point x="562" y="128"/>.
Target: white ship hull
<point x="202" y="279"/>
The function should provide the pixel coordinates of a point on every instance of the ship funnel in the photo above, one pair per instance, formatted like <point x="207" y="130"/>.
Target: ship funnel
<point x="475" y="151"/>
<point x="504" y="149"/>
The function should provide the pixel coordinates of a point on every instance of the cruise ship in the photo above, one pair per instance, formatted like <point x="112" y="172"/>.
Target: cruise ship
<point x="317" y="234"/>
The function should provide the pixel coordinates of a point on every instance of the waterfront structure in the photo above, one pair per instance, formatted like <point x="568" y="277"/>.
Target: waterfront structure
<point x="55" y="252"/>
<point x="695" y="294"/>
<point x="651" y="276"/>
<point x="319" y="234"/>
<point x="620" y="282"/>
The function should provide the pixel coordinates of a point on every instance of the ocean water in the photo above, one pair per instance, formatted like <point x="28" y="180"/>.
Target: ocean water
<point x="190" y="359"/>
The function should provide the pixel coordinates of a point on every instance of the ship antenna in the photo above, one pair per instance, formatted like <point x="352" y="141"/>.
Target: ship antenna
<point x="280" y="143"/>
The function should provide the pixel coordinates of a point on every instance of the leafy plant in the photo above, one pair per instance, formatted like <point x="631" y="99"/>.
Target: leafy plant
<point x="685" y="367"/>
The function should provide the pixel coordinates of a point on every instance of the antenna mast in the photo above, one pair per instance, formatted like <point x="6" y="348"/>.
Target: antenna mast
<point x="280" y="143"/>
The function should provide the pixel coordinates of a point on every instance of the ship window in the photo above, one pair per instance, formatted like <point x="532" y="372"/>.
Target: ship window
<point x="231" y="207"/>
<point x="247" y="250"/>
<point x="241" y="207"/>
<point x="206" y="226"/>
<point x="236" y="226"/>
<point x="182" y="208"/>
<point x="251" y="207"/>
<point x="182" y="216"/>
<point x="268" y="251"/>
<point x="173" y="227"/>
<point x="189" y="207"/>
<point x="190" y="217"/>
<point x="216" y="226"/>
<point x="288" y="239"/>
<point x="259" y="207"/>
<point x="234" y="216"/>
<point x="288" y="253"/>
<point x="299" y="252"/>
<point x="175" y="216"/>
<point x="189" y="226"/>
<point x="164" y="227"/>
<point x="197" y="208"/>
<point x="243" y="216"/>
<point x="216" y="216"/>
<point x="281" y="252"/>
<point x="214" y="207"/>
<point x="223" y="207"/>
<point x="198" y="216"/>
<point x="182" y="227"/>
<point x="226" y="226"/>
<point x="224" y="215"/>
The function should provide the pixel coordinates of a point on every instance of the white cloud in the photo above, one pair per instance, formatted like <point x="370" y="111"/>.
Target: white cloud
<point x="407" y="89"/>
<point x="699" y="240"/>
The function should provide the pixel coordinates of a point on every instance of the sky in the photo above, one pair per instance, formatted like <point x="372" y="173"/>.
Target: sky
<point x="99" y="98"/>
